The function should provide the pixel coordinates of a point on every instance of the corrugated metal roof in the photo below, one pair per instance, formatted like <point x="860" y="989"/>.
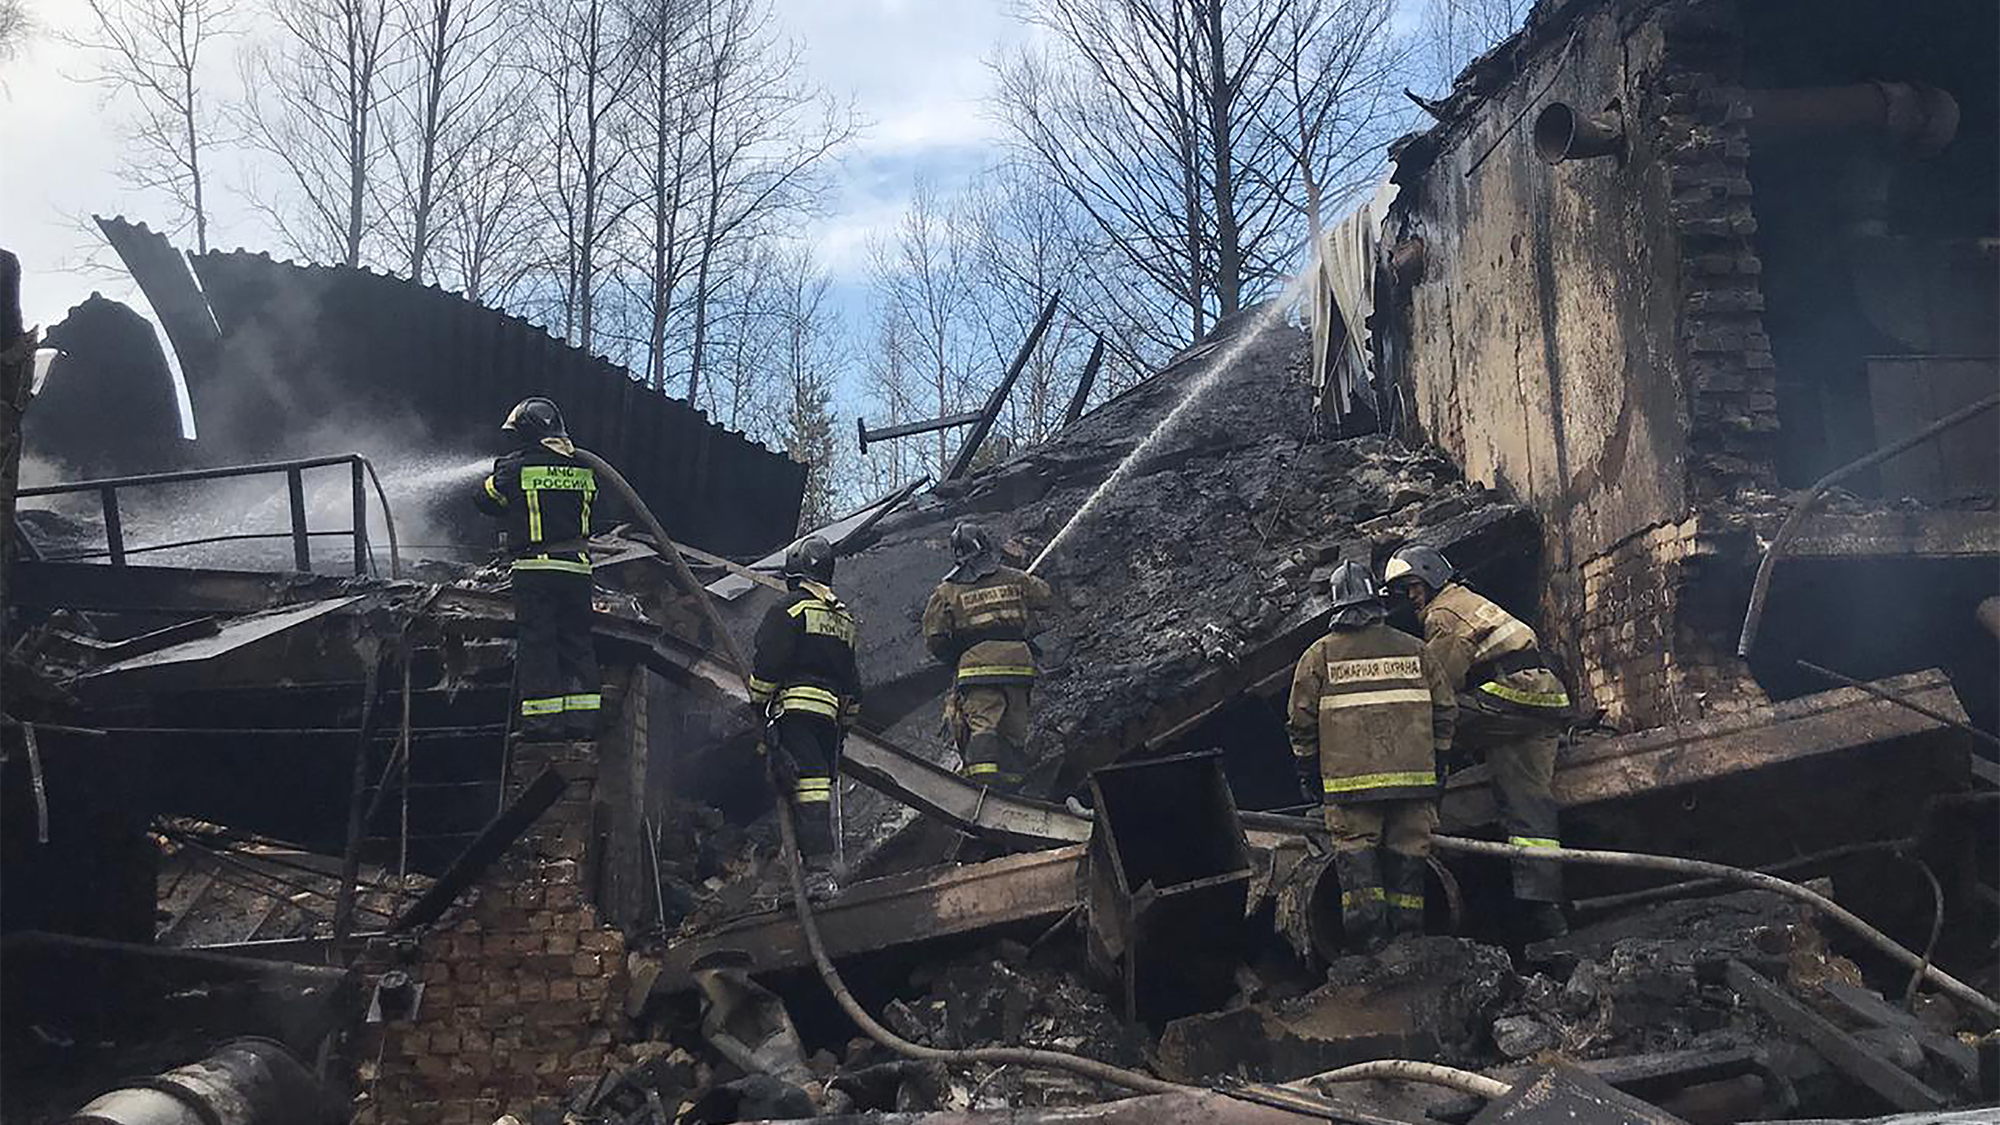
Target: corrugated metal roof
<point x="303" y="349"/>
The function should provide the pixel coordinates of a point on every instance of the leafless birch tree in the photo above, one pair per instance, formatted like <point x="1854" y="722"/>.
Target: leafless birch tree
<point x="452" y="97"/>
<point x="586" y="67"/>
<point x="924" y="295"/>
<point x="150" y="53"/>
<point x="1162" y="120"/>
<point x="765" y="134"/>
<point x="1451" y="33"/>
<point x="313" y="105"/>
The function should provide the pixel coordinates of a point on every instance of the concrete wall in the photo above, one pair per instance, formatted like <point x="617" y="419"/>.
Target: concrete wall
<point x="1587" y="335"/>
<point x="1541" y="352"/>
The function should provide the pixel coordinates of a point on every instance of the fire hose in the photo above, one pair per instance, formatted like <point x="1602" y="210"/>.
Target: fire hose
<point x="1036" y="1057"/>
<point x="1404" y="1069"/>
<point x="1947" y="983"/>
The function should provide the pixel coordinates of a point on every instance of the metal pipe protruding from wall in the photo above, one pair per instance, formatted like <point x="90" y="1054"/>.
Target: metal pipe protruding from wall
<point x="242" y="1082"/>
<point x="1914" y="118"/>
<point x="1562" y="134"/>
<point x="1989" y="615"/>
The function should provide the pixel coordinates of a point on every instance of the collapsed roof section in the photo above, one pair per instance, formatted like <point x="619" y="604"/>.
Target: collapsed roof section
<point x="279" y="357"/>
<point x="1196" y="576"/>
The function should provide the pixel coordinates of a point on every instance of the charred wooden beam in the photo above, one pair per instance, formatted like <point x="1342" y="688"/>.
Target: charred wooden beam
<point x="1085" y="382"/>
<point x="1852" y="1058"/>
<point x="998" y="398"/>
<point x="1692" y="753"/>
<point x="890" y="912"/>
<point x="485" y="848"/>
<point x="868" y="437"/>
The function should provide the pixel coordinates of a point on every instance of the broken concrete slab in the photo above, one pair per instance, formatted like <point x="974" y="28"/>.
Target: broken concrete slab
<point x="1425" y="998"/>
<point x="1190" y="581"/>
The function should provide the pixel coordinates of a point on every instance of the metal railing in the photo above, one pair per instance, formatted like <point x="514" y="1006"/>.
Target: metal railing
<point x="301" y="535"/>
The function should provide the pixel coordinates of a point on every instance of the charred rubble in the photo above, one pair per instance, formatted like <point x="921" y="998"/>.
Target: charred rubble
<point x="265" y="839"/>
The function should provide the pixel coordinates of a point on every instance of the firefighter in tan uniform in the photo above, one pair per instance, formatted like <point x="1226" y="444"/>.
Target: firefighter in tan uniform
<point x="978" y="621"/>
<point x="1512" y="710"/>
<point x="1370" y="714"/>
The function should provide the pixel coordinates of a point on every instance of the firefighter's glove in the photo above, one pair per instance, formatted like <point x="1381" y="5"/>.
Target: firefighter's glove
<point x="1311" y="786"/>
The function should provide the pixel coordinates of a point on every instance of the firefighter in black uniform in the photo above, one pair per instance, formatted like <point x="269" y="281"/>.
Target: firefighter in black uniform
<point x="804" y="678"/>
<point x="544" y="494"/>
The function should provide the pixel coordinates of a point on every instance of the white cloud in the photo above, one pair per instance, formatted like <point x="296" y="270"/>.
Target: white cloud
<point x="916" y="69"/>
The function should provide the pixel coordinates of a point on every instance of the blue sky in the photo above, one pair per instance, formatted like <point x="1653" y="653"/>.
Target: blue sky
<point x="915" y="68"/>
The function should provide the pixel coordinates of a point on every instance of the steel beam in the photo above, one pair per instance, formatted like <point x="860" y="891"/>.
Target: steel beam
<point x="887" y="433"/>
<point x="889" y="912"/>
<point x="998" y="398"/>
<point x="1084" y="384"/>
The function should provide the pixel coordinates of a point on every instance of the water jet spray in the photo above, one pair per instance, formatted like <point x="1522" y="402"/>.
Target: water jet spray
<point x="1211" y="374"/>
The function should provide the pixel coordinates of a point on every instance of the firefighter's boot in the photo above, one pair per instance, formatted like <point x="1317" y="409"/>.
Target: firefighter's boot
<point x="1403" y="884"/>
<point x="1362" y="901"/>
<point x="986" y="761"/>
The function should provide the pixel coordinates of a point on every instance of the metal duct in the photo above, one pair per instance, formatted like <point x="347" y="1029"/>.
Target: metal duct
<point x="243" y="1082"/>
<point x="1562" y="134"/>
<point x="1913" y="118"/>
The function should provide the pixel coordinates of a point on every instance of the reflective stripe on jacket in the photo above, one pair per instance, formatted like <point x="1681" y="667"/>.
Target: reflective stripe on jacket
<point x="544" y="494"/>
<point x="805" y="655"/>
<point x="1490" y="654"/>
<point x="982" y="626"/>
<point x="1375" y="710"/>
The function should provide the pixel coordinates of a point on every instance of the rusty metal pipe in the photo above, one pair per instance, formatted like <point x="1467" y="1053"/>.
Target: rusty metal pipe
<point x="243" y="1082"/>
<point x="1562" y="134"/>
<point x="1914" y="118"/>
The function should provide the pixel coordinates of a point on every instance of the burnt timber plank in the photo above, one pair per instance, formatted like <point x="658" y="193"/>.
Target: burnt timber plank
<point x="1924" y="534"/>
<point x="1889" y="1082"/>
<point x="1565" y="1095"/>
<point x="1871" y="1008"/>
<point x="898" y="910"/>
<point x="1686" y="753"/>
<point x="485" y="848"/>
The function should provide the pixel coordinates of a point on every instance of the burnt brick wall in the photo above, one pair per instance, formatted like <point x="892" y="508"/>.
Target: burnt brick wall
<point x="1655" y="650"/>
<point x="1726" y="363"/>
<point x="1588" y="336"/>
<point x="522" y="991"/>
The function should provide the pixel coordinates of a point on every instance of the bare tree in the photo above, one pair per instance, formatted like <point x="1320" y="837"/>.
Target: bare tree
<point x="453" y="94"/>
<point x="667" y="120"/>
<point x="895" y="396"/>
<point x="150" y="52"/>
<point x="584" y="62"/>
<point x="805" y="349"/>
<point x="17" y="26"/>
<point x="1451" y="33"/>
<point x="488" y="234"/>
<point x="1160" y="120"/>
<point x="1026" y="242"/>
<point x="313" y="104"/>
<point x="765" y="136"/>
<point x="1335" y="107"/>
<point x="924" y="292"/>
